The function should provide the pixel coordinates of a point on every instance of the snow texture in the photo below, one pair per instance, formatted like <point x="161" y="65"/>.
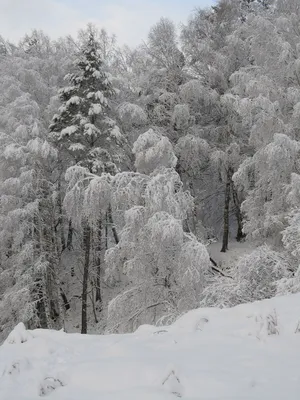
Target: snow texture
<point x="247" y="352"/>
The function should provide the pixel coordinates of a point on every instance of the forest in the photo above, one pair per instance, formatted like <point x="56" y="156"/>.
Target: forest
<point x="122" y="168"/>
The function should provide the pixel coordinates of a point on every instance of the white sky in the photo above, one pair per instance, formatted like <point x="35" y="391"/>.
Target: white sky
<point x="130" y="20"/>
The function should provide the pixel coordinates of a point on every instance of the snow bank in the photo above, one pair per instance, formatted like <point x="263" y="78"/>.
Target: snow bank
<point x="248" y="352"/>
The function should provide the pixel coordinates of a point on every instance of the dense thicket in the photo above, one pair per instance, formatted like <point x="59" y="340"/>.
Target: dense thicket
<point x="120" y="166"/>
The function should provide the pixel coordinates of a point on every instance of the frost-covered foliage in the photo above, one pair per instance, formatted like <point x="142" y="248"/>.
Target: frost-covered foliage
<point x="83" y="127"/>
<point x="186" y="137"/>
<point x="254" y="277"/>
<point x="291" y="239"/>
<point x="132" y="115"/>
<point x="181" y="117"/>
<point x="202" y="101"/>
<point x="291" y="234"/>
<point x="290" y="284"/>
<point x="29" y="253"/>
<point x="165" y="268"/>
<point x="193" y="154"/>
<point x="153" y="150"/>
<point x="226" y="161"/>
<point x="88" y="196"/>
<point x="265" y="206"/>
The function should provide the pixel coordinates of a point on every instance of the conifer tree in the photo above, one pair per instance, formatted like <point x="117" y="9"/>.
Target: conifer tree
<point x="84" y="131"/>
<point x="82" y="127"/>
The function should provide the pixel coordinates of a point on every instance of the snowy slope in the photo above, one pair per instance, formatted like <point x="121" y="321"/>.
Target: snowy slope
<point x="248" y="352"/>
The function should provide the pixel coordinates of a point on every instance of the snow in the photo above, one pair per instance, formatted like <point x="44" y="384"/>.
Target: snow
<point x="69" y="130"/>
<point x="235" y="251"/>
<point x="248" y="352"/>
<point x="97" y="74"/>
<point x="95" y="109"/>
<point x="116" y="133"/>
<point x="90" y="129"/>
<point x="76" y="147"/>
<point x="73" y="100"/>
<point x="97" y="96"/>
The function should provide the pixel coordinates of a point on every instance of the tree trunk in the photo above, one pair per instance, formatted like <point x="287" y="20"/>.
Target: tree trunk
<point x="70" y="236"/>
<point x="240" y="235"/>
<point x="189" y="180"/>
<point x="69" y="244"/>
<point x="60" y="217"/>
<point x="40" y="305"/>
<point x="87" y="247"/>
<point x="65" y="300"/>
<point x="38" y="290"/>
<point x="113" y="228"/>
<point x="106" y="231"/>
<point x="99" y="250"/>
<point x="226" y="212"/>
<point x="91" y="296"/>
<point x="48" y="250"/>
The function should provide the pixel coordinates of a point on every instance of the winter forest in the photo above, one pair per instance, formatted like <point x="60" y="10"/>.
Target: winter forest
<point x="128" y="174"/>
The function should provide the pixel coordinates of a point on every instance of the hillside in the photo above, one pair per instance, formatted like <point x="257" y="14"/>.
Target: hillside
<point x="248" y="352"/>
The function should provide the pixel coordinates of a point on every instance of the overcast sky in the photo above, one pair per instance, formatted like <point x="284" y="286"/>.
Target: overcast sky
<point x="130" y="20"/>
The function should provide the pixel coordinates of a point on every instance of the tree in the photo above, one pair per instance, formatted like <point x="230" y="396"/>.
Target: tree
<point x="215" y="50"/>
<point x="226" y="163"/>
<point x="84" y="130"/>
<point x="265" y="206"/>
<point x="164" y="267"/>
<point x="30" y="264"/>
<point x="254" y="277"/>
<point x="163" y="45"/>
<point x="29" y="247"/>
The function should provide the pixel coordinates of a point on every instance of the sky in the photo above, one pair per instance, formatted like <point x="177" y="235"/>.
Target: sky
<point x="130" y="20"/>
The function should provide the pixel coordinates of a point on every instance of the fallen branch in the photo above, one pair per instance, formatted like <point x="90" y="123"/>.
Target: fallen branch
<point x="216" y="269"/>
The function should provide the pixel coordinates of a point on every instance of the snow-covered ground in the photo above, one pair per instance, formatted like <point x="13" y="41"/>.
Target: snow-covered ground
<point x="234" y="252"/>
<point x="248" y="352"/>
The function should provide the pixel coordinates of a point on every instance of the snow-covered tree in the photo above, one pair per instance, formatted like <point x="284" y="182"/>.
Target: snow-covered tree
<point x="266" y="205"/>
<point x="164" y="267"/>
<point x="30" y="250"/>
<point x="152" y="145"/>
<point x="29" y="254"/>
<point x="85" y="131"/>
<point x="254" y="277"/>
<point x="226" y="163"/>
<point x="83" y="127"/>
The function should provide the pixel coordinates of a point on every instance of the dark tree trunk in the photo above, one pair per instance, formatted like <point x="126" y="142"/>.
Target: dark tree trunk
<point x="106" y="231"/>
<point x="65" y="300"/>
<point x="87" y="248"/>
<point x="111" y="222"/>
<point x="69" y="244"/>
<point x="70" y="236"/>
<point x="237" y="208"/>
<point x="99" y="250"/>
<point x="60" y="217"/>
<point x="226" y="212"/>
<point x="93" y="303"/>
<point x="40" y="306"/>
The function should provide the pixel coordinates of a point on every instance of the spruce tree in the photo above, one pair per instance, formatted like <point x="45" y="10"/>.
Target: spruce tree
<point x="85" y="132"/>
<point x="82" y="127"/>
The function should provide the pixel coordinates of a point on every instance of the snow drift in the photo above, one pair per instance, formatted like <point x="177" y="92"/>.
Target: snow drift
<point x="248" y="352"/>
